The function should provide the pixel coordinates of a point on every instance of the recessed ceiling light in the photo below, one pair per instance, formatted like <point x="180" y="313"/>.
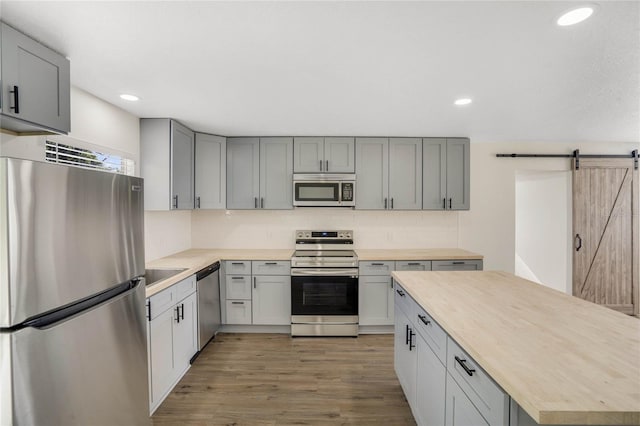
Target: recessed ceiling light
<point x="463" y="101"/>
<point x="574" y="16"/>
<point x="128" y="97"/>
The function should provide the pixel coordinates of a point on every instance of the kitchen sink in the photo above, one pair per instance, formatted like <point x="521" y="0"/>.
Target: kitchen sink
<point x="154" y="275"/>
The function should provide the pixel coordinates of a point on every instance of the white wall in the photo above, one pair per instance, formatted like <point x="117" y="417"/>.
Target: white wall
<point x="543" y="228"/>
<point x="275" y="229"/>
<point x="166" y="233"/>
<point x="489" y="227"/>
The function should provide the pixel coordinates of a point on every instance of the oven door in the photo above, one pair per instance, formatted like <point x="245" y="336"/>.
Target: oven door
<point x="333" y="293"/>
<point x="316" y="193"/>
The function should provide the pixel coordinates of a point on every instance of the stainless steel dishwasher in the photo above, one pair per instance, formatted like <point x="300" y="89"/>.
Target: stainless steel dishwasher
<point x="208" y="288"/>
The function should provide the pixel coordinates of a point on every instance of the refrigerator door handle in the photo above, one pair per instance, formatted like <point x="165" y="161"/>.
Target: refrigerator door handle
<point x="52" y="318"/>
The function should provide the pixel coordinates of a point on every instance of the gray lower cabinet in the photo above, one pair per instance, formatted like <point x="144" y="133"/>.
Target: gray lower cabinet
<point x="35" y="85"/>
<point x="271" y="299"/>
<point x="389" y="173"/>
<point x="375" y="300"/>
<point x="259" y="173"/>
<point x="324" y="154"/>
<point x="167" y="153"/>
<point x="460" y="409"/>
<point x="442" y="383"/>
<point x="172" y="337"/>
<point x="456" y="265"/>
<point x="210" y="171"/>
<point x="446" y="175"/>
<point x="431" y="376"/>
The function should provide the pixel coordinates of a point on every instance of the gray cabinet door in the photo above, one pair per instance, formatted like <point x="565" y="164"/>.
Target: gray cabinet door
<point x="308" y="154"/>
<point x="211" y="171"/>
<point x="276" y="173"/>
<point x="243" y="173"/>
<point x="458" y="179"/>
<point x="434" y="173"/>
<point x="41" y="77"/>
<point x="460" y="411"/>
<point x="339" y="155"/>
<point x="405" y="173"/>
<point x="182" y="149"/>
<point x="372" y="173"/>
<point x="431" y="378"/>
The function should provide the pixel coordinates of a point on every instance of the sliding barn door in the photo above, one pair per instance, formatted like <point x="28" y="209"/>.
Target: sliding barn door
<point x="605" y="225"/>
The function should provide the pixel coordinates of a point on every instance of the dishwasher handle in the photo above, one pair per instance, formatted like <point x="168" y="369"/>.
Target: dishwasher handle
<point x="207" y="271"/>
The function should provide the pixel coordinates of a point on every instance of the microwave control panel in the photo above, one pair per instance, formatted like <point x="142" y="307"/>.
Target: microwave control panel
<point x="347" y="191"/>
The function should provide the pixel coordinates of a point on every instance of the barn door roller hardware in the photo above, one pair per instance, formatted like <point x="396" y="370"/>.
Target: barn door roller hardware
<point x="576" y="154"/>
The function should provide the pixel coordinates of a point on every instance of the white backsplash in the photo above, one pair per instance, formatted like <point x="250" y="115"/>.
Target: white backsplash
<point x="275" y="228"/>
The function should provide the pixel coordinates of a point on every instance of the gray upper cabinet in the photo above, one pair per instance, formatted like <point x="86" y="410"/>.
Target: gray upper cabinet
<point x="308" y="154"/>
<point x="372" y="173"/>
<point x="405" y="173"/>
<point x="446" y="184"/>
<point x="339" y="155"/>
<point x="259" y="173"/>
<point x="389" y="173"/>
<point x="243" y="173"/>
<point x="167" y="153"/>
<point x="35" y="85"/>
<point x="324" y="155"/>
<point x="211" y="171"/>
<point x="276" y="173"/>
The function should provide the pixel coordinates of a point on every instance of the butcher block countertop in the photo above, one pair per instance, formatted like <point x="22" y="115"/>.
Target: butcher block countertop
<point x="417" y="254"/>
<point x="562" y="359"/>
<point x="196" y="259"/>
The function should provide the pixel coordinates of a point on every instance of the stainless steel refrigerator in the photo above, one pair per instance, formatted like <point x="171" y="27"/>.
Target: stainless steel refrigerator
<point x="72" y="319"/>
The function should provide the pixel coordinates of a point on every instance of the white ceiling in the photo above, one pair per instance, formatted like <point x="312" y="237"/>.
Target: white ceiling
<point x="356" y="68"/>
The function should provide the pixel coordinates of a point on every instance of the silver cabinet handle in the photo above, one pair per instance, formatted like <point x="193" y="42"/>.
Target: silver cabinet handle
<point x="326" y="169"/>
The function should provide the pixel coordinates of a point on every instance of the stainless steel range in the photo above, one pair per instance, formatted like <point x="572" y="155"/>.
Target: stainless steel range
<point x="324" y="284"/>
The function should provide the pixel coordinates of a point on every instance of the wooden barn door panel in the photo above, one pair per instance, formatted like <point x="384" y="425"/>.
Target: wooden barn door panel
<point x="605" y="264"/>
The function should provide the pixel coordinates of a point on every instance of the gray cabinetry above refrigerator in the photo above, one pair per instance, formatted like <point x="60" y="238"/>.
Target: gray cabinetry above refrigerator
<point x="35" y="85"/>
<point x="167" y="153"/>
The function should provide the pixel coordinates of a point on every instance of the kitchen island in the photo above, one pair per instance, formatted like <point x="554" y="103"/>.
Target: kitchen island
<point x="559" y="358"/>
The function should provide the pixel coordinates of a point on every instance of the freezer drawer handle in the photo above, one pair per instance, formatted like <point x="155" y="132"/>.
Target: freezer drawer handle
<point x="50" y="319"/>
<point x="463" y="364"/>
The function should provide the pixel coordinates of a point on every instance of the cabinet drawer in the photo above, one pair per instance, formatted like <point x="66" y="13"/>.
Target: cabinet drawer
<point x="413" y="265"/>
<point x="403" y="300"/>
<point x="238" y="287"/>
<point x="160" y="302"/>
<point x="484" y="393"/>
<point x="281" y="267"/>
<point x="185" y="287"/>
<point x="431" y="332"/>
<point x="456" y="265"/>
<point x="375" y="268"/>
<point x="238" y="311"/>
<point x="237" y="267"/>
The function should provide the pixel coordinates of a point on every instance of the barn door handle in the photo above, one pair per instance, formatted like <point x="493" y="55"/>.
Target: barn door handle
<point x="578" y="242"/>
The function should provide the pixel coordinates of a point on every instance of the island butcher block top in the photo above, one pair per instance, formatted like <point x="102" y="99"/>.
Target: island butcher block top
<point x="562" y="359"/>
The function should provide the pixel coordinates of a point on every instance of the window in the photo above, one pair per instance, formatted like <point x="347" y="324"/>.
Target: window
<point x="82" y="157"/>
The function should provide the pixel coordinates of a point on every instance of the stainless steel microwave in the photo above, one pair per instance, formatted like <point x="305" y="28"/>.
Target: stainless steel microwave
<point x="324" y="190"/>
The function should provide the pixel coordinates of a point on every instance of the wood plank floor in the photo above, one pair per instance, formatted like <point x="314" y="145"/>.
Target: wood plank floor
<point x="272" y="379"/>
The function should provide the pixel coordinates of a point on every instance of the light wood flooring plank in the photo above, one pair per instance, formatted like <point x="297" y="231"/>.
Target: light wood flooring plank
<point x="273" y="379"/>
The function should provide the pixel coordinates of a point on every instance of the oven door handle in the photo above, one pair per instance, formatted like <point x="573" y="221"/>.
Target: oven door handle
<point x="333" y="272"/>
